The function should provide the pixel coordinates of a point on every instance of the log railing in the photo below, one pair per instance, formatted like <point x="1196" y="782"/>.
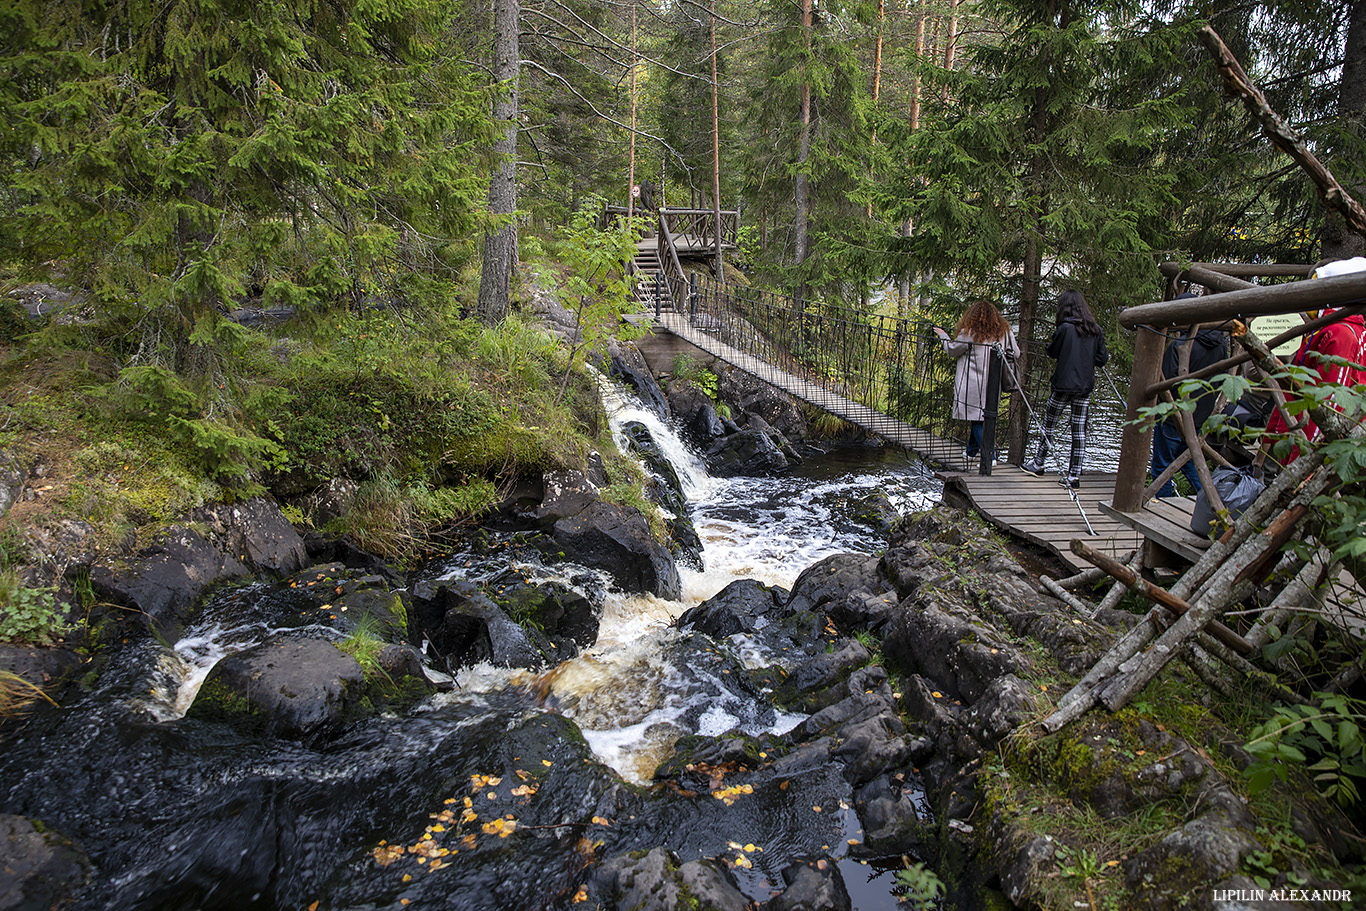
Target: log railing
<point x="1236" y="300"/>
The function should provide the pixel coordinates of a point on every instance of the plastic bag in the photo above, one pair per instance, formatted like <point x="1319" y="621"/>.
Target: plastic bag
<point x="1239" y="488"/>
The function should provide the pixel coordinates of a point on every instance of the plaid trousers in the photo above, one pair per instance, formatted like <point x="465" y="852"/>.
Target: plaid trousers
<point x="1079" y="404"/>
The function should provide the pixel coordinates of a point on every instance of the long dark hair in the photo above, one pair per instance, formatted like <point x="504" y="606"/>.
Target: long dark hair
<point x="1072" y="306"/>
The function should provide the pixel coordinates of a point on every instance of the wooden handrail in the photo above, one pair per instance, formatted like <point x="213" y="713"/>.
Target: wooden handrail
<point x="1296" y="297"/>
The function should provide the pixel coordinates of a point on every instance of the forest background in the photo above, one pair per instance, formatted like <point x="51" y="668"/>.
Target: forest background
<point x="394" y="175"/>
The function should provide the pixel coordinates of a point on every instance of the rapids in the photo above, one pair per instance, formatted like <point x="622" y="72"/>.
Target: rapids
<point x="177" y="812"/>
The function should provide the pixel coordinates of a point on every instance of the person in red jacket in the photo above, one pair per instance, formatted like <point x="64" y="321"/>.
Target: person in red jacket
<point x="1345" y="339"/>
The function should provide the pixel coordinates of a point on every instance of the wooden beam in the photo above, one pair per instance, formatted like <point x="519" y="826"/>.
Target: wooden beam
<point x="1295" y="297"/>
<point x="1136" y="442"/>
<point x="1210" y="278"/>
<point x="1158" y="595"/>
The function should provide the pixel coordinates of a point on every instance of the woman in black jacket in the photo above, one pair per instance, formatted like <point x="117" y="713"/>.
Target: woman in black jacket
<point x="1078" y="345"/>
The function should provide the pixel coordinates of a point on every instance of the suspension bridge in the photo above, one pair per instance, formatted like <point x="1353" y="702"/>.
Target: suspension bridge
<point x="890" y="377"/>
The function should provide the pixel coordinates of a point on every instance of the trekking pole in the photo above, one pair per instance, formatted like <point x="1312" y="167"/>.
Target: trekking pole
<point x="1071" y="491"/>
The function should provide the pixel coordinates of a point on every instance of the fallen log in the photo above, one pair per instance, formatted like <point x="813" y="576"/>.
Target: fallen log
<point x="1156" y="594"/>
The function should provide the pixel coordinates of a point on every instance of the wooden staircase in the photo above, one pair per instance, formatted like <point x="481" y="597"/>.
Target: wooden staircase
<point x="646" y="265"/>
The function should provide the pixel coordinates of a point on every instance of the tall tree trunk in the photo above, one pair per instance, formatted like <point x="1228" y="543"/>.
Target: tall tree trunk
<point x="904" y="286"/>
<point x="1337" y="241"/>
<point x="803" y="154"/>
<point x="500" y="248"/>
<point x="631" y="164"/>
<point x="716" y="149"/>
<point x="1033" y="269"/>
<point x="951" y="38"/>
<point x="877" y="79"/>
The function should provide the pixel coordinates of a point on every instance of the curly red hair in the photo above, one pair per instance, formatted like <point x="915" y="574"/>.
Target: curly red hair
<point x="983" y="323"/>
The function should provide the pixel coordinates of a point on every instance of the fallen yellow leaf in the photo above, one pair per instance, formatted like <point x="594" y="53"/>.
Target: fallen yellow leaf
<point x="547" y="763"/>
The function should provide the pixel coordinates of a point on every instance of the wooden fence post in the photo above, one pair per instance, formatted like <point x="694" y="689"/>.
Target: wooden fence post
<point x="1135" y="448"/>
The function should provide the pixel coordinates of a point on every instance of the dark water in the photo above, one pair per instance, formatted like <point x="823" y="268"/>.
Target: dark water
<point x="180" y="813"/>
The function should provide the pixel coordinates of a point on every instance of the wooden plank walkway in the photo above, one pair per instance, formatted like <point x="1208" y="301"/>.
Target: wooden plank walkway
<point x="1036" y="509"/>
<point x="1041" y="511"/>
<point x="948" y="453"/>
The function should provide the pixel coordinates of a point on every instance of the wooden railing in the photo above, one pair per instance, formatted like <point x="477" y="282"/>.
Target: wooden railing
<point x="702" y="224"/>
<point x="1236" y="300"/>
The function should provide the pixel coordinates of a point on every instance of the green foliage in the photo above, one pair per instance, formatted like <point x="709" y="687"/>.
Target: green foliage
<point x="175" y="158"/>
<point x="28" y="615"/>
<point x="364" y="644"/>
<point x="919" y="887"/>
<point x="1325" y="738"/>
<point x="597" y="289"/>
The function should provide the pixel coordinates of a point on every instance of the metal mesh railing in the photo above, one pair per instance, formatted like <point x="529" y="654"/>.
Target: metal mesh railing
<point x="895" y="367"/>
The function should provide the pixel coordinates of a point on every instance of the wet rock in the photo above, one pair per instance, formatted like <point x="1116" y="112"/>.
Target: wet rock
<point x="473" y="629"/>
<point x="42" y="667"/>
<point x="641" y="381"/>
<point x="567" y="493"/>
<point x="568" y="620"/>
<point x="877" y="512"/>
<point x="812" y="885"/>
<point x="667" y="491"/>
<point x="401" y="660"/>
<point x="847" y="587"/>
<point x="164" y="580"/>
<point x="296" y="689"/>
<point x="257" y="533"/>
<point x="893" y="821"/>
<point x="745" y="453"/>
<point x="39" y="869"/>
<point x="816" y="683"/>
<point x="696" y="416"/>
<point x="376" y="609"/>
<point x="618" y="540"/>
<point x="870" y="746"/>
<point x="747" y="394"/>
<point x="656" y="882"/>
<point x="224" y="542"/>
<point x="331" y="500"/>
<point x="741" y="606"/>
<point x="947" y="645"/>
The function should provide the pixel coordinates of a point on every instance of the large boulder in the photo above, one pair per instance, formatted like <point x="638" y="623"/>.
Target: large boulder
<point x="747" y="394"/>
<point x="848" y="588"/>
<point x="471" y="628"/>
<point x="745" y="452"/>
<point x="695" y="414"/>
<point x="656" y="881"/>
<point x="618" y="540"/>
<point x="295" y="689"/>
<point x="639" y="378"/>
<point x="219" y="543"/>
<point x="812" y="885"/>
<point x="744" y="605"/>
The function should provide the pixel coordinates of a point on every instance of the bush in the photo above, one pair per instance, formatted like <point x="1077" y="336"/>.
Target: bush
<point x="28" y="615"/>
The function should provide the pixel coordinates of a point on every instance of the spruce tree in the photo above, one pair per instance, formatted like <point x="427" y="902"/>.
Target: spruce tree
<point x="174" y="158"/>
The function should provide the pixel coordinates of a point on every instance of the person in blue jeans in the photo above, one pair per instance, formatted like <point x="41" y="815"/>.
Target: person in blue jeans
<point x="1208" y="347"/>
<point x="1078" y="346"/>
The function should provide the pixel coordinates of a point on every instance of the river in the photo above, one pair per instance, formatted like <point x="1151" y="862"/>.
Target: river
<point x="181" y="813"/>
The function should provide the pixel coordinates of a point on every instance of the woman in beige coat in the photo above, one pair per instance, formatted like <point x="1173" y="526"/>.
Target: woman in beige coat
<point x="981" y="328"/>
